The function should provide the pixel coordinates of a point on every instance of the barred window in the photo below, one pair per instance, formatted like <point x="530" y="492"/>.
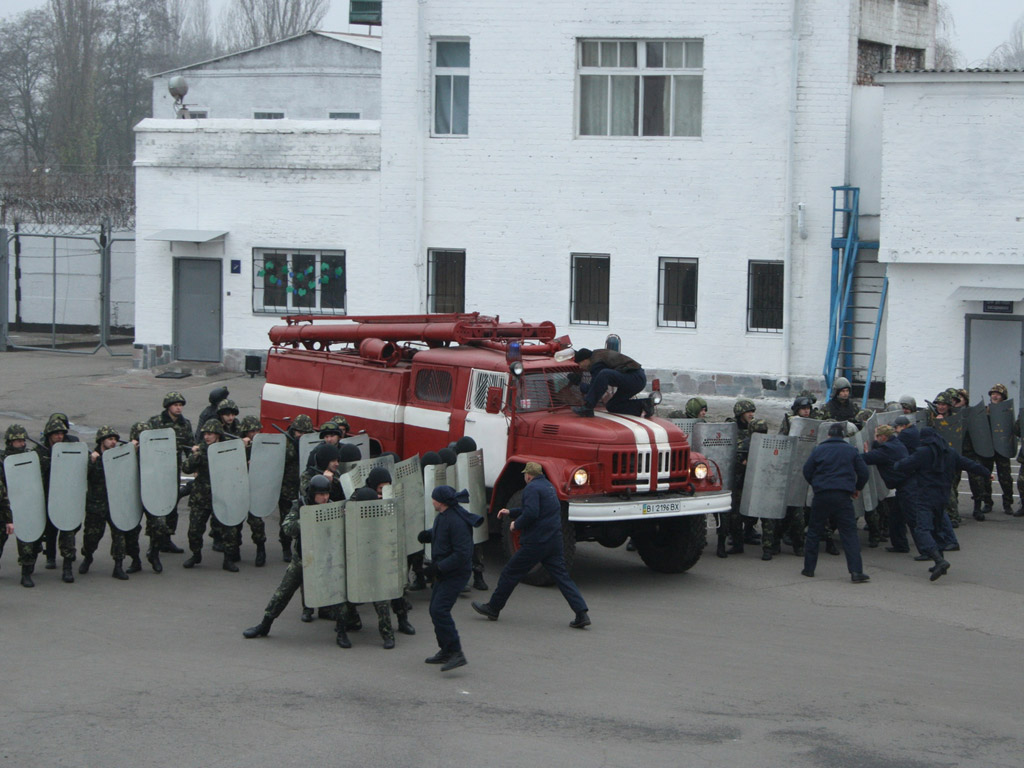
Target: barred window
<point x="298" y="281"/>
<point x="476" y="397"/>
<point x="590" y="277"/>
<point x="677" y="293"/>
<point x="764" y="296"/>
<point x="434" y="385"/>
<point x="446" y="281"/>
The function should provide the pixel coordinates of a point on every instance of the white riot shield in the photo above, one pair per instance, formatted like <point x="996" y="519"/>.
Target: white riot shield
<point x="451" y="476"/>
<point x="766" y="484"/>
<point x="374" y="566"/>
<point x="360" y="441"/>
<point x="307" y="443"/>
<point x="323" y="554"/>
<point x="69" y="481"/>
<point x="717" y="442"/>
<point x="433" y="476"/>
<point x="868" y="497"/>
<point x="121" y="471"/>
<point x="229" y="481"/>
<point x="867" y="438"/>
<point x="266" y="472"/>
<point x="158" y="470"/>
<point x="358" y="471"/>
<point x="806" y="433"/>
<point x="686" y="425"/>
<point x="469" y="473"/>
<point x="1001" y="417"/>
<point x="409" y="492"/>
<point x="979" y="429"/>
<point x="25" y="494"/>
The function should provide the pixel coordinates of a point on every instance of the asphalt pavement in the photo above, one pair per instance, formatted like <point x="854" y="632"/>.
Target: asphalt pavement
<point x="738" y="662"/>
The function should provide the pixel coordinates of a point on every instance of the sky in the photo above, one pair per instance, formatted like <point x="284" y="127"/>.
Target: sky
<point x="981" y="25"/>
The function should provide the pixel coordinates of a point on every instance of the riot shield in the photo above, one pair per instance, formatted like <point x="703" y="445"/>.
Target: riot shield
<point x="918" y="418"/>
<point x="65" y="503"/>
<point x="951" y="428"/>
<point x="307" y="443"/>
<point x="158" y="470"/>
<point x="229" y="481"/>
<point x="360" y="441"/>
<point x="1001" y="417"/>
<point x="375" y="568"/>
<point x="433" y="476"/>
<point x="867" y="499"/>
<point x="451" y="476"/>
<point x="323" y="554"/>
<point x="805" y="431"/>
<point x="766" y="485"/>
<point x="469" y="471"/>
<point x="867" y="438"/>
<point x="979" y="429"/>
<point x="358" y="471"/>
<point x="686" y="425"/>
<point x="409" y="490"/>
<point x="121" y="470"/>
<point x="717" y="442"/>
<point x="266" y="472"/>
<point x="25" y="494"/>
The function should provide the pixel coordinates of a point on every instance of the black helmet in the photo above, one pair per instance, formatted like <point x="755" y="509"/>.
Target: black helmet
<point x="323" y="455"/>
<point x="364" y="494"/>
<point x="430" y="458"/>
<point x="465" y="444"/>
<point x="448" y="456"/>
<point x="377" y="476"/>
<point x="802" y="402"/>
<point x="220" y="393"/>
<point x="349" y="452"/>
<point x="319" y="484"/>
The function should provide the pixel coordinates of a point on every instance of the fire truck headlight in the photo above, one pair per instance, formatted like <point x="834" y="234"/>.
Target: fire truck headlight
<point x="580" y="477"/>
<point x="656" y="397"/>
<point x="700" y="470"/>
<point x="516" y="368"/>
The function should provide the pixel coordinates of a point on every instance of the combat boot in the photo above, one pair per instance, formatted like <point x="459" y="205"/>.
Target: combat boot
<point x="977" y="513"/>
<point x="69" y="574"/>
<point x="438" y="658"/>
<point x="479" y="583"/>
<point x="261" y="555"/>
<point x="153" y="555"/>
<point x="341" y="636"/>
<point x="582" y="620"/>
<point x="51" y="562"/>
<point x="229" y="563"/>
<point x="721" y="547"/>
<point x="766" y="554"/>
<point x="196" y="559"/>
<point x="136" y="565"/>
<point x="404" y="626"/>
<point x="170" y="547"/>
<point x="260" y="630"/>
<point x="986" y="507"/>
<point x="941" y="567"/>
<point x="86" y="562"/>
<point x="307" y="615"/>
<point x="830" y="547"/>
<point x="286" y="552"/>
<point x="26" y="575"/>
<point x="458" y="659"/>
<point x="119" y="571"/>
<point x="736" y="548"/>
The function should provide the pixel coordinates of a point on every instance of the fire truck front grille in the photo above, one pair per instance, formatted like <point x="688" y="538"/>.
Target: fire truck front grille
<point x="637" y="467"/>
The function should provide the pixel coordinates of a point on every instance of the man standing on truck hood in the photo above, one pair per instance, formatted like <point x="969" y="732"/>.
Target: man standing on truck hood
<point x="539" y="523"/>
<point x="610" y="368"/>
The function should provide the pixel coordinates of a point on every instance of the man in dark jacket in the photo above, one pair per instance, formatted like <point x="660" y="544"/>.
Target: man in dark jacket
<point x="841" y="406"/>
<point x="609" y="368"/>
<point x="539" y="523"/>
<point x="885" y="451"/>
<point x="451" y="540"/>
<point x="836" y="472"/>
<point x="935" y="463"/>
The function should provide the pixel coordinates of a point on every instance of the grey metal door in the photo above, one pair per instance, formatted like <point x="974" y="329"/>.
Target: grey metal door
<point x="994" y="355"/>
<point x="197" y="312"/>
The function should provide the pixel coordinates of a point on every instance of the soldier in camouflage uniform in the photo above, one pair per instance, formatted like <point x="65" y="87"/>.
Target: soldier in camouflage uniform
<point x="743" y="414"/>
<point x="156" y="525"/>
<point x="97" y="508"/>
<point x="791" y="528"/>
<point x="54" y="432"/>
<point x="696" y="408"/>
<point x="227" y="415"/>
<point x="318" y="492"/>
<point x="998" y="394"/>
<point x="302" y="425"/>
<point x="248" y="428"/>
<point x="200" y="501"/>
<point x="944" y="407"/>
<point x="16" y="442"/>
<point x="172" y="416"/>
<point x="841" y="406"/>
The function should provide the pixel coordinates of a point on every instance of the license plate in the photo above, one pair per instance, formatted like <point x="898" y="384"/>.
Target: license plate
<point x="661" y="508"/>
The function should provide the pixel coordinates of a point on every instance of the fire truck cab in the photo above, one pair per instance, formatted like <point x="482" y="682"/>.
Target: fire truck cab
<point x="417" y="383"/>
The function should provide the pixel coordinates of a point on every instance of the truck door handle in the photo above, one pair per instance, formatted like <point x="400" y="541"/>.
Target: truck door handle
<point x="472" y="421"/>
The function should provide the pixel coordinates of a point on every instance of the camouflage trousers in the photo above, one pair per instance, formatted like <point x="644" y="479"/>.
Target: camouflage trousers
<point x="284" y="505"/>
<point x="55" y="540"/>
<point x="349" y="615"/>
<point x="953" y="502"/>
<point x="121" y="542"/>
<point x="158" y="527"/>
<point x="257" y="529"/>
<point x="290" y="583"/>
<point x="199" y="513"/>
<point x="772" y="531"/>
<point x="1003" y="474"/>
<point x="29" y="552"/>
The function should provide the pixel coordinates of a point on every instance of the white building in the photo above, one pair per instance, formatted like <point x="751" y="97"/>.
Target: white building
<point x="660" y="170"/>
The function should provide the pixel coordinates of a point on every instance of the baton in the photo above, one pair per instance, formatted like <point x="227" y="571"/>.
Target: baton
<point x="295" y="442"/>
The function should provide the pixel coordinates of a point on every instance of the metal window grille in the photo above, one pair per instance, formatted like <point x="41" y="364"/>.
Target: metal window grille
<point x="677" y="293"/>
<point x="268" y="115"/>
<point x="590" y="280"/>
<point x="433" y="385"/>
<point x="285" y="281"/>
<point x="482" y="381"/>
<point x="764" y="296"/>
<point x="446" y="281"/>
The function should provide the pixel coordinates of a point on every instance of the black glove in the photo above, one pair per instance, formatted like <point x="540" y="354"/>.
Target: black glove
<point x="425" y="537"/>
<point x="575" y="378"/>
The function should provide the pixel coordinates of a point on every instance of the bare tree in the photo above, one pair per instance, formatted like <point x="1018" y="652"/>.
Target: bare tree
<point x="1010" y="54"/>
<point x="26" y="55"/>
<point x="248" y="23"/>
<point x="77" y="27"/>
<point x="946" y="54"/>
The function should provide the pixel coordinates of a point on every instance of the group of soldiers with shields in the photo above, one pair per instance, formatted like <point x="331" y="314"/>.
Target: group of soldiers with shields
<point x="765" y="471"/>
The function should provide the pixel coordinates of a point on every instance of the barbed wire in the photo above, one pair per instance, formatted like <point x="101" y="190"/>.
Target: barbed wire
<point x="65" y="202"/>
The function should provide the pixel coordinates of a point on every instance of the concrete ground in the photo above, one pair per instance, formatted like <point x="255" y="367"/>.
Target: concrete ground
<point x="737" y="663"/>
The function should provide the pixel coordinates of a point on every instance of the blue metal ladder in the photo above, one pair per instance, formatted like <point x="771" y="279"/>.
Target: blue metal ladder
<point x="841" y="357"/>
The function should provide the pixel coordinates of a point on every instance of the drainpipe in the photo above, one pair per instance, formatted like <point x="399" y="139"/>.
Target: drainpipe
<point x="787" y="252"/>
<point x="422" y="112"/>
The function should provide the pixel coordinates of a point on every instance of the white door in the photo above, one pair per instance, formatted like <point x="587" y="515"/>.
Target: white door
<point x="489" y="430"/>
<point x="995" y="349"/>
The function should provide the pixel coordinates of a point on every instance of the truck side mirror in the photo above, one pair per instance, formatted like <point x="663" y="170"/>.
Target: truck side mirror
<point x="493" y="400"/>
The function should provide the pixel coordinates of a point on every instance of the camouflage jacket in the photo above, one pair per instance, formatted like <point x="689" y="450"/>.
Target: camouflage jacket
<point x="5" y="502"/>
<point x="199" y="463"/>
<point x="182" y="430"/>
<point x="96" y="494"/>
<point x="337" y="494"/>
<point x="290" y="481"/>
<point x="784" y="429"/>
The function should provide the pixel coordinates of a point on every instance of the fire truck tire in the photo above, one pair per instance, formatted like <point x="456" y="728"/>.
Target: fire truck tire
<point x="672" y="545"/>
<point x="538" y="575"/>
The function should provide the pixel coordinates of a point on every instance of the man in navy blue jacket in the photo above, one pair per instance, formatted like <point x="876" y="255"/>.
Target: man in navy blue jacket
<point x="836" y="472"/>
<point x="885" y="452"/>
<point x="539" y="523"/>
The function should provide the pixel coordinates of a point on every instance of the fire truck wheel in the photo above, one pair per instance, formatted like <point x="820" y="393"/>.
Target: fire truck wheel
<point x="671" y="545"/>
<point x="538" y="575"/>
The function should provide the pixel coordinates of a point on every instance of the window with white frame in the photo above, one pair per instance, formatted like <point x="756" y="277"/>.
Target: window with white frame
<point x="640" y="87"/>
<point x="590" y="281"/>
<point x="677" y="293"/>
<point x="765" y="284"/>
<point x="451" y="87"/>
<point x="296" y="281"/>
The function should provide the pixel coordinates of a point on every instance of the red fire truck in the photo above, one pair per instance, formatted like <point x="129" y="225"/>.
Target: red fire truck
<point x="416" y="383"/>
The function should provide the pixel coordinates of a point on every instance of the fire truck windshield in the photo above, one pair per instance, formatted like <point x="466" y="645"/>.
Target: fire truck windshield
<point x="542" y="390"/>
